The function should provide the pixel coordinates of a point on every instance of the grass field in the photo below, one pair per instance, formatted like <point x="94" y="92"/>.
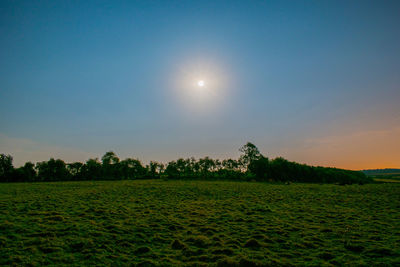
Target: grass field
<point x="387" y="178"/>
<point x="198" y="223"/>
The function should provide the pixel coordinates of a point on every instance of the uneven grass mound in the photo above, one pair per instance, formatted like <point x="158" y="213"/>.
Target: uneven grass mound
<point x="197" y="223"/>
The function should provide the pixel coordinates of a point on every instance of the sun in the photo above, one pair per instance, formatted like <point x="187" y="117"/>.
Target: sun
<point x="200" y="86"/>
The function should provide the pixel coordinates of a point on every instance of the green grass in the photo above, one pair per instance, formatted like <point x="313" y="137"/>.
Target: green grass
<point x="387" y="178"/>
<point x="384" y="180"/>
<point x="173" y="223"/>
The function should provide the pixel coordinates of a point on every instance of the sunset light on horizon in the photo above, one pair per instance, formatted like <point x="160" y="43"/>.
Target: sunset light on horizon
<point x="164" y="81"/>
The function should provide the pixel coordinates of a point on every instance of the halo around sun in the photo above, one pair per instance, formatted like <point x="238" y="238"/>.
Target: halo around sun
<point x="201" y="86"/>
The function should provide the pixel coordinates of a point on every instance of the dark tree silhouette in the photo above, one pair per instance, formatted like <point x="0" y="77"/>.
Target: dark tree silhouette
<point x="92" y="170"/>
<point x="251" y="165"/>
<point x="52" y="170"/>
<point x="110" y="165"/>
<point x="155" y="169"/>
<point x="250" y="153"/>
<point x="6" y="167"/>
<point x="260" y="168"/>
<point x="131" y="169"/>
<point x="75" y="170"/>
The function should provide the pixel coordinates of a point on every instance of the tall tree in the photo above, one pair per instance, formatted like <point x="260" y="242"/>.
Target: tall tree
<point x="110" y="165"/>
<point x="260" y="168"/>
<point x="155" y="169"/>
<point x="75" y="170"/>
<point x="249" y="153"/>
<point x="52" y="170"/>
<point x="6" y="167"/>
<point x="131" y="169"/>
<point x="92" y="170"/>
<point x="29" y="172"/>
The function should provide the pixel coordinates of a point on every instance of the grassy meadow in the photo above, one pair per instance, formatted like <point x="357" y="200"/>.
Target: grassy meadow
<point x="387" y="178"/>
<point x="169" y="223"/>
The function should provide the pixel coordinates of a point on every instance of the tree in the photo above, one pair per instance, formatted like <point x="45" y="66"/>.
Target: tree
<point x="206" y="166"/>
<point x="260" y="168"/>
<point x="110" y="165"/>
<point x="171" y="170"/>
<point x="75" y="170"/>
<point x="92" y="170"/>
<point x="251" y="165"/>
<point x="109" y="158"/>
<point x="25" y="173"/>
<point x="230" y="164"/>
<point x="250" y="153"/>
<point x="282" y="170"/>
<point x="29" y="172"/>
<point x="6" y="167"/>
<point x="155" y="169"/>
<point x="131" y="169"/>
<point x="52" y="170"/>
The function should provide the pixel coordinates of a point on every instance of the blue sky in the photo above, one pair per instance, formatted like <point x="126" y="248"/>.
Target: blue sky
<point x="314" y="81"/>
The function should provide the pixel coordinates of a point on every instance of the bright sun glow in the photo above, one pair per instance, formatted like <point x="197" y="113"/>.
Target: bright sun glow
<point x="201" y="85"/>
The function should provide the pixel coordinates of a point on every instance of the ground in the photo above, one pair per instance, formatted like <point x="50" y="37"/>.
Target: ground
<point x="153" y="222"/>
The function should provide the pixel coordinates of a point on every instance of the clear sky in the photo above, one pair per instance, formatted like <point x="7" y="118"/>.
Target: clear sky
<point x="316" y="82"/>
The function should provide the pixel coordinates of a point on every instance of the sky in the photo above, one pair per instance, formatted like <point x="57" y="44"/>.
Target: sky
<point x="316" y="82"/>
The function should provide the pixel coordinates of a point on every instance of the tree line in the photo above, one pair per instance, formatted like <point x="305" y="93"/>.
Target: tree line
<point x="250" y="166"/>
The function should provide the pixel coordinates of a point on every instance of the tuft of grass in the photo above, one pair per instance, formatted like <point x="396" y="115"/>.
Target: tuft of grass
<point x="142" y="250"/>
<point x="252" y="243"/>
<point x="199" y="241"/>
<point x="176" y="244"/>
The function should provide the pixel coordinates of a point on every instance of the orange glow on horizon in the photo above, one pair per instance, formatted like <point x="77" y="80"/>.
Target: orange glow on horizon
<point x="357" y="151"/>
